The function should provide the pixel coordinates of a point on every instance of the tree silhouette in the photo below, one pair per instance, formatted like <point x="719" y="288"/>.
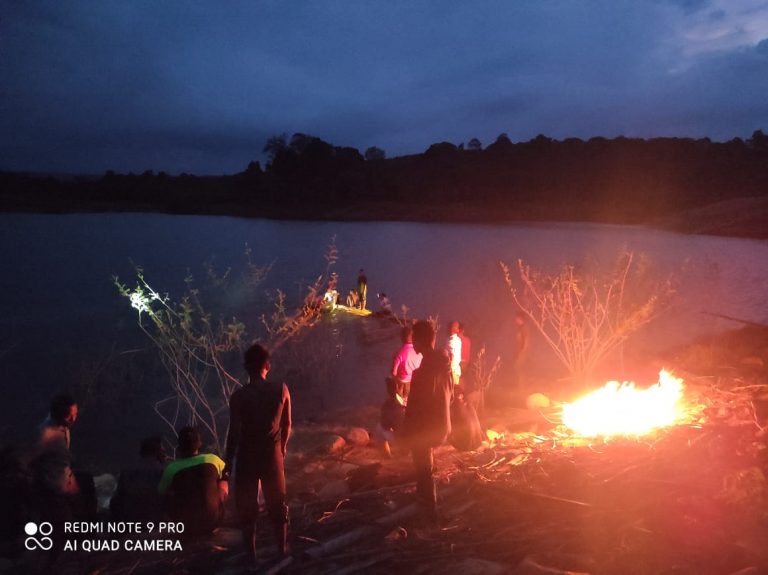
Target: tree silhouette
<point x="253" y="169"/>
<point x="758" y="141"/>
<point x="374" y="153"/>
<point x="300" y="142"/>
<point x="275" y="145"/>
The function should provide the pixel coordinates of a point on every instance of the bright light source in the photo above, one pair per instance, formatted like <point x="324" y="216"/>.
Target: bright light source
<point x="621" y="409"/>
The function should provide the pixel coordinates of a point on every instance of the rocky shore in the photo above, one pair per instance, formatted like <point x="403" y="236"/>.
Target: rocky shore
<point x="534" y="499"/>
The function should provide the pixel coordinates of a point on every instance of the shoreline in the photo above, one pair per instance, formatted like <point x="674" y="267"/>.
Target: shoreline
<point x="744" y="218"/>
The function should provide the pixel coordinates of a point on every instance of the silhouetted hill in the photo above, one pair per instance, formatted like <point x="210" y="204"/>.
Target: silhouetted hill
<point x="661" y="181"/>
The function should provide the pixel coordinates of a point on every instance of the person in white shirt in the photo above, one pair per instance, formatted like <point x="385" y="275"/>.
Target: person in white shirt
<point x="453" y="351"/>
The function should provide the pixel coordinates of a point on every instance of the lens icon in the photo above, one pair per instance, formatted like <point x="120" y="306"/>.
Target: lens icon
<point x="44" y="529"/>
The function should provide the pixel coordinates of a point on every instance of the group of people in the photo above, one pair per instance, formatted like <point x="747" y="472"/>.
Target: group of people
<point x="192" y="489"/>
<point x="432" y="398"/>
<point x="357" y="297"/>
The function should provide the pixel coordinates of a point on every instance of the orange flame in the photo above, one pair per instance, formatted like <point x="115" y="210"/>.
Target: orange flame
<point x="620" y="409"/>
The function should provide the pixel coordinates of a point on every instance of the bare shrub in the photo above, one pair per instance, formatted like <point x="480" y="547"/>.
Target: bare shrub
<point x="483" y="370"/>
<point x="584" y="314"/>
<point x="201" y="351"/>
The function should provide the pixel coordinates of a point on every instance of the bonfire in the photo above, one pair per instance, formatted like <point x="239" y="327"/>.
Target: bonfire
<point x="623" y="409"/>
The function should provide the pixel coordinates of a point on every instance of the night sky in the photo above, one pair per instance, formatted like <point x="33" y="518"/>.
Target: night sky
<point x="187" y="86"/>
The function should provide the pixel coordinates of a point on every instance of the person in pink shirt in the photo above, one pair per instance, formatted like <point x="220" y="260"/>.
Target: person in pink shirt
<point x="405" y="363"/>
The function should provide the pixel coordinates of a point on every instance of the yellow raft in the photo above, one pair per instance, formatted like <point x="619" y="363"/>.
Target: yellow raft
<point x="350" y="310"/>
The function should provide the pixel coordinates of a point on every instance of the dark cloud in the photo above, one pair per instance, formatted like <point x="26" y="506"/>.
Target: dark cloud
<point x="690" y="6"/>
<point x="717" y="15"/>
<point x="198" y="87"/>
<point x="719" y="97"/>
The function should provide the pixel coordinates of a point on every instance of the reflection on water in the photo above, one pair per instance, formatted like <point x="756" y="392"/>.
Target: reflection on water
<point x="61" y="266"/>
<point x="58" y="299"/>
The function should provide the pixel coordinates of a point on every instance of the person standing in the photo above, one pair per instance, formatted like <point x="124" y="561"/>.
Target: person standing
<point x="453" y="351"/>
<point x="259" y="428"/>
<point x="405" y="363"/>
<point x="466" y="432"/>
<point x="362" y="288"/>
<point x="427" y="421"/>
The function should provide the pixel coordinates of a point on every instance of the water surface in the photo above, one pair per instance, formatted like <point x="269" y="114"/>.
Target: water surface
<point x="59" y="304"/>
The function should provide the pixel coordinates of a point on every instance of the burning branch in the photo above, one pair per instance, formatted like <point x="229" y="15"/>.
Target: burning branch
<point x="622" y="409"/>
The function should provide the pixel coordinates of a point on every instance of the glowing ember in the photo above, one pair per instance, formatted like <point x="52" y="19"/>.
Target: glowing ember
<point x="620" y="409"/>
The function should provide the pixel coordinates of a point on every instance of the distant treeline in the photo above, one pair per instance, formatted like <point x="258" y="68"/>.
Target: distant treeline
<point x="620" y="180"/>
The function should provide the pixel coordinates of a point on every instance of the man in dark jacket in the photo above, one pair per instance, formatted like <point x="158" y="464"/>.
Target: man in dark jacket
<point x="259" y="427"/>
<point x="428" y="414"/>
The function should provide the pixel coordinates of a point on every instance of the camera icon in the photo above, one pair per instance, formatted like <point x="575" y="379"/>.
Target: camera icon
<point x="43" y="542"/>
